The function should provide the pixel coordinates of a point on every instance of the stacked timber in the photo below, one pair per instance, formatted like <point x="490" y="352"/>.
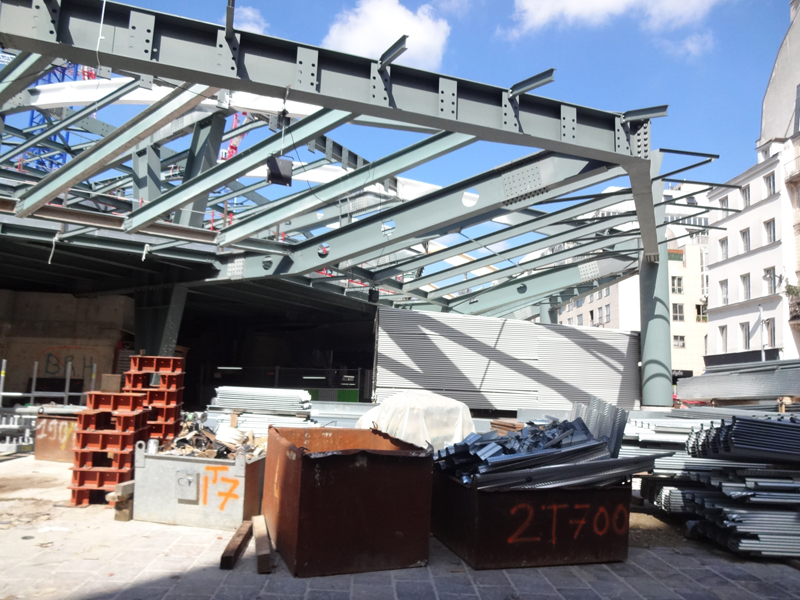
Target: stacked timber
<point x="503" y="426"/>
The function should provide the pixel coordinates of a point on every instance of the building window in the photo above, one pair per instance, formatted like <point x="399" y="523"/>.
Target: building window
<point x="769" y="325"/>
<point x="569" y="307"/>
<point x="746" y="196"/>
<point x="745" y="327"/>
<point x="745" y="233"/>
<point x="678" y="341"/>
<point x="723" y="248"/>
<point x="769" y="277"/>
<point x="580" y="302"/>
<point x="723" y="202"/>
<point x="723" y="338"/>
<point x="700" y="313"/>
<point x="723" y="292"/>
<point x="677" y="285"/>
<point x="769" y="183"/>
<point x="569" y="321"/>
<point x="608" y="313"/>
<point x="769" y="231"/>
<point x="691" y="201"/>
<point x="560" y="310"/>
<point x="677" y="312"/>
<point x="608" y="292"/>
<point x="591" y="297"/>
<point x="745" y="286"/>
<point x="705" y="344"/>
<point x="580" y="319"/>
<point x="599" y="315"/>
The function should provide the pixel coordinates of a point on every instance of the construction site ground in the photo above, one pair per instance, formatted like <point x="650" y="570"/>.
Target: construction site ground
<point x="49" y="550"/>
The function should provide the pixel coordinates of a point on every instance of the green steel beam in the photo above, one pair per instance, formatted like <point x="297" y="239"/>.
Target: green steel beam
<point x="282" y="211"/>
<point x="296" y="134"/>
<point x="23" y="70"/>
<point x="189" y="50"/>
<point x="71" y="120"/>
<point x="513" y="186"/>
<point x="534" y="223"/>
<point x="599" y="243"/>
<point x="93" y="160"/>
<point x="581" y="230"/>
<point x="203" y="155"/>
<point x="539" y="284"/>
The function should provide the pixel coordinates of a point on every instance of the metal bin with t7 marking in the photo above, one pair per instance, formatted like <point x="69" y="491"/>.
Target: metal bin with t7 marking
<point x="198" y="492"/>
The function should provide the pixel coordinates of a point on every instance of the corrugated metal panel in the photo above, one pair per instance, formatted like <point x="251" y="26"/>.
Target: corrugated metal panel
<point x="749" y="381"/>
<point x="504" y="363"/>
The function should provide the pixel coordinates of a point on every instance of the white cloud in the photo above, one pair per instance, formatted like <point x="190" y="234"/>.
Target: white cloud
<point x="691" y="46"/>
<point x="248" y="18"/>
<point x="532" y="15"/>
<point x="455" y="7"/>
<point x="374" y="25"/>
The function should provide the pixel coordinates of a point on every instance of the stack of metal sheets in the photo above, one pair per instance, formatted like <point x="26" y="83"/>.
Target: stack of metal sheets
<point x="749" y="438"/>
<point x="271" y="400"/>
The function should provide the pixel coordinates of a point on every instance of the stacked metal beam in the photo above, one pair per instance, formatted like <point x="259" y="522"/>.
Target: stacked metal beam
<point x="160" y="378"/>
<point x="263" y="400"/>
<point x="737" y="474"/>
<point x="549" y="454"/>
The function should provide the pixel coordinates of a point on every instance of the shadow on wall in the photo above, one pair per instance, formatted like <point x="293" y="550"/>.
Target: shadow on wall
<point x="418" y="327"/>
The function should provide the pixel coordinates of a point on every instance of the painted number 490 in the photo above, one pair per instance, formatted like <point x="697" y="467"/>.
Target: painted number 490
<point x="599" y="520"/>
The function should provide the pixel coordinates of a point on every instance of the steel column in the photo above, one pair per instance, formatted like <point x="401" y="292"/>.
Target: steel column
<point x="655" y="311"/>
<point x="203" y="154"/>
<point x="146" y="178"/>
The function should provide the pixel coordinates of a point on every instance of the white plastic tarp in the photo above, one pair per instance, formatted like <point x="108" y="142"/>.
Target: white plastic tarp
<point x="421" y="418"/>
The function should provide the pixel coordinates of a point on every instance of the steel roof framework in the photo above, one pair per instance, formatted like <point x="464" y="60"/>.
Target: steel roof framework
<point x="195" y="73"/>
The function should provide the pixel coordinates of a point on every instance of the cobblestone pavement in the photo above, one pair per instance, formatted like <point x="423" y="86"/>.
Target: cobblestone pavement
<point x="50" y="551"/>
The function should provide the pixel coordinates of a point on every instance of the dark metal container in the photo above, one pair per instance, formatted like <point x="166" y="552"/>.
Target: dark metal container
<point x="346" y="500"/>
<point x="530" y="528"/>
<point x="55" y="437"/>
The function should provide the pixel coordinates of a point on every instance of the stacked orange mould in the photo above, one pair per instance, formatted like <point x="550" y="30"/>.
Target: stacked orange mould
<point x="106" y="434"/>
<point x="164" y="393"/>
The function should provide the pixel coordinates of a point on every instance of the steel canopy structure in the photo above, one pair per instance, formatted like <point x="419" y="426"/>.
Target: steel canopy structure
<point x="130" y="214"/>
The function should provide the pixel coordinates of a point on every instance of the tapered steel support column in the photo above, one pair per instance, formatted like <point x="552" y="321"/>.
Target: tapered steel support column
<point x="146" y="175"/>
<point x="655" y="312"/>
<point x="203" y="153"/>
<point x="158" y="320"/>
<point x="545" y="313"/>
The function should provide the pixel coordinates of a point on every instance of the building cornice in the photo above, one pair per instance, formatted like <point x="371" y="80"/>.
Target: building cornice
<point x="754" y="171"/>
<point x="751" y="252"/>
<point x="742" y="303"/>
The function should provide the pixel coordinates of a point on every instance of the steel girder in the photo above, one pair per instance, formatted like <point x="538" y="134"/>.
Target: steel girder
<point x="177" y="102"/>
<point x="23" y="70"/>
<point x="299" y="133"/>
<point x="538" y="177"/>
<point x="282" y="211"/>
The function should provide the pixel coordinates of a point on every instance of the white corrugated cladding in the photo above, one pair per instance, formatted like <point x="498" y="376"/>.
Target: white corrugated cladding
<point x="503" y="363"/>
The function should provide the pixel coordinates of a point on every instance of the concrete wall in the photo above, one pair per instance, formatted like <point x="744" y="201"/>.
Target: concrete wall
<point x="52" y="329"/>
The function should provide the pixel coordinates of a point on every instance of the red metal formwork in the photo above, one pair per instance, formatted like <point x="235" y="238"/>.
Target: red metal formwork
<point x="55" y="437"/>
<point x="85" y="497"/>
<point x="116" y="401"/>
<point x="157" y="397"/>
<point x="505" y="529"/>
<point x="90" y="459"/>
<point x="158" y="364"/>
<point x="164" y="431"/>
<point x="95" y="420"/>
<point x="108" y="440"/>
<point x="346" y="500"/>
<point x="103" y="420"/>
<point x="165" y="414"/>
<point x="141" y="381"/>
<point x="99" y="477"/>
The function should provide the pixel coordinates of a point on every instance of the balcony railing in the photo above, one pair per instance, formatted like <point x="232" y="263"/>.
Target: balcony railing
<point x="792" y="169"/>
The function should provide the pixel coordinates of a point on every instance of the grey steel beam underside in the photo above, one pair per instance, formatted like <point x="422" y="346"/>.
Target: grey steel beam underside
<point x="23" y="70"/>
<point x="182" y="49"/>
<point x="379" y="170"/>
<point x="301" y="133"/>
<point x="177" y="102"/>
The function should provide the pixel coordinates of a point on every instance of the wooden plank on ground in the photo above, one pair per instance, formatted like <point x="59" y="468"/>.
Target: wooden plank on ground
<point x="236" y="546"/>
<point x="263" y="544"/>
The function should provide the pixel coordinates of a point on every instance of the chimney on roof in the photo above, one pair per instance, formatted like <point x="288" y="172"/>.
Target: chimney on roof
<point x="794" y="5"/>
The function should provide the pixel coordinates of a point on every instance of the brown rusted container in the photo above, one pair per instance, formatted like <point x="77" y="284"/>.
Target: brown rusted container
<point x="530" y="528"/>
<point x="346" y="500"/>
<point x="55" y="437"/>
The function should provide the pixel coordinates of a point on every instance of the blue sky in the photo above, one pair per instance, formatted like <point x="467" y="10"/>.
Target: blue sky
<point x="710" y="60"/>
